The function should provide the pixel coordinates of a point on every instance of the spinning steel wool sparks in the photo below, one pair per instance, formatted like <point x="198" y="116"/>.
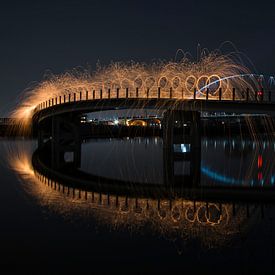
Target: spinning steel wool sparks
<point x="212" y="73"/>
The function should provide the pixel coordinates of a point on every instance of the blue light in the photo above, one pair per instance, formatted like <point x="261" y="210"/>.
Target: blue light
<point x="219" y="177"/>
<point x="182" y="148"/>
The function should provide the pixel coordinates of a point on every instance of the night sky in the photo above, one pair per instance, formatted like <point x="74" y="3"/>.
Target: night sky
<point x="37" y="37"/>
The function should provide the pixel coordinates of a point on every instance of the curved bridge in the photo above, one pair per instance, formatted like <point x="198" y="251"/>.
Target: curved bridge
<point x="63" y="105"/>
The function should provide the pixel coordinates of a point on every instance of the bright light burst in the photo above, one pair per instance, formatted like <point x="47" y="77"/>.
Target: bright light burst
<point x="212" y="71"/>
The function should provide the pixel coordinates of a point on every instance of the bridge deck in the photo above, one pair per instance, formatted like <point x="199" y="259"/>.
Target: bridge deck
<point x="248" y="107"/>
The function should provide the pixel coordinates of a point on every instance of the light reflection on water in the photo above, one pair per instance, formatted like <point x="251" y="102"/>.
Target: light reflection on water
<point x="234" y="162"/>
<point x="213" y="224"/>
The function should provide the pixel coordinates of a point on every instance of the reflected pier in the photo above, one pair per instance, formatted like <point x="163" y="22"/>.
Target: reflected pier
<point x="182" y="148"/>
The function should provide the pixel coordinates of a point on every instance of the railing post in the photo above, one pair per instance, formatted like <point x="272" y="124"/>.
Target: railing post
<point x="93" y="94"/>
<point x="87" y="95"/>
<point x="147" y="93"/>
<point x="109" y="93"/>
<point x="158" y="92"/>
<point x="60" y="99"/>
<point x="247" y="94"/>
<point x="56" y="101"/>
<point x="49" y="102"/>
<point x="80" y="95"/>
<point x="64" y="99"/>
<point x="52" y="101"/>
<point x="117" y="92"/>
<point x="136" y="92"/>
<point x="207" y="93"/>
<point x="74" y="97"/>
<point x="69" y="97"/>
<point x="127" y="91"/>
<point x="100" y="95"/>
<point x="171" y="92"/>
<point x="220" y="94"/>
<point x="194" y="96"/>
<point x="233" y="94"/>
<point x="182" y="93"/>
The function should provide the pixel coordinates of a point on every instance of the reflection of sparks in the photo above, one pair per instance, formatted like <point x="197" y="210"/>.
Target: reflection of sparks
<point x="23" y="166"/>
<point x="20" y="161"/>
<point x="212" y="223"/>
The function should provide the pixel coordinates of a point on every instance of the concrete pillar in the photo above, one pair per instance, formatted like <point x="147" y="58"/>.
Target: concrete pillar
<point x="65" y="137"/>
<point x="181" y="147"/>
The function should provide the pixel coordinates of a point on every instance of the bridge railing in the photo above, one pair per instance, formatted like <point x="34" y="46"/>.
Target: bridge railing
<point x="233" y="94"/>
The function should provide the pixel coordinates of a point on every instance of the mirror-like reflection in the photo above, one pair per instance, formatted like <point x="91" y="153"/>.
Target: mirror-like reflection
<point x="214" y="223"/>
<point x="242" y="162"/>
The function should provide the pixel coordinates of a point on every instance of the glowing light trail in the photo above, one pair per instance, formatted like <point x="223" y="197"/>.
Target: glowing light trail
<point x="163" y="79"/>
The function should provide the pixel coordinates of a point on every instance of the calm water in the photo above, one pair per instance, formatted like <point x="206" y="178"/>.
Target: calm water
<point x="65" y="229"/>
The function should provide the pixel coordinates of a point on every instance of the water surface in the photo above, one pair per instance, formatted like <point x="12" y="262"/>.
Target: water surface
<point x="46" y="223"/>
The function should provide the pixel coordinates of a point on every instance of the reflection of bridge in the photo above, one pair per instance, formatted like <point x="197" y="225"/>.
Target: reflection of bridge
<point x="125" y="205"/>
<point x="211" y="223"/>
<point x="185" y="185"/>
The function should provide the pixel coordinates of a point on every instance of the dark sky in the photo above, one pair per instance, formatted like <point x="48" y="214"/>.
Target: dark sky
<point x="37" y="36"/>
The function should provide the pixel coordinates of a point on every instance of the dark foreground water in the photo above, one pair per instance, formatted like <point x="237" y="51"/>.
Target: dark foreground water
<point x="48" y="227"/>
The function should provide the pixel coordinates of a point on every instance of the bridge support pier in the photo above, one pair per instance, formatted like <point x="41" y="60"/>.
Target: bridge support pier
<point x="61" y="136"/>
<point x="65" y="142"/>
<point x="181" y="147"/>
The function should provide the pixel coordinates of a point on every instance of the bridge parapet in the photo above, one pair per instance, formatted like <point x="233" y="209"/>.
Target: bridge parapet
<point x="244" y="96"/>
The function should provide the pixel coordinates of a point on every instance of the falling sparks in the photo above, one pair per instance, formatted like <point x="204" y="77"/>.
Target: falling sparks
<point x="213" y="72"/>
